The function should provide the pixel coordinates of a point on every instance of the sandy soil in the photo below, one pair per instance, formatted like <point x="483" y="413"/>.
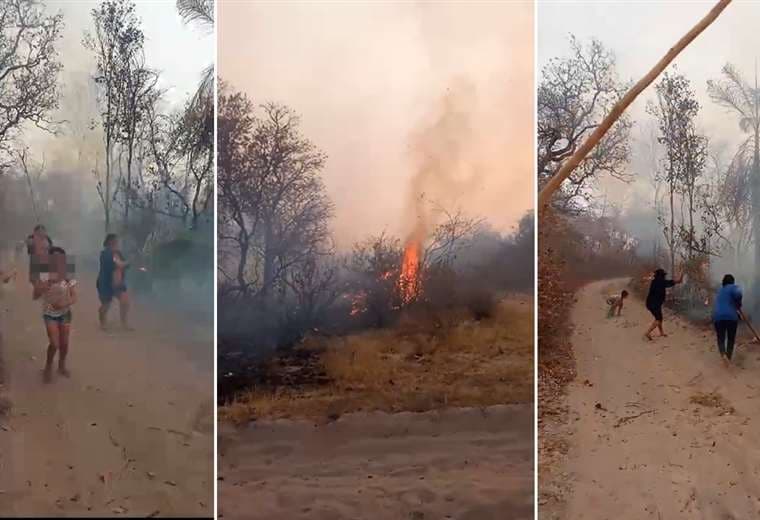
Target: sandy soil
<point x="464" y="464"/>
<point x="655" y="430"/>
<point x="129" y="434"/>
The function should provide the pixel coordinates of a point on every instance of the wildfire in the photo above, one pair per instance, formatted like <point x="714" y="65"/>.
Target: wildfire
<point x="358" y="302"/>
<point x="410" y="266"/>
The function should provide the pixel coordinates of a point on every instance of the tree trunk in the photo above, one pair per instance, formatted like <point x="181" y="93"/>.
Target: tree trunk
<point x="242" y="262"/>
<point x="269" y="259"/>
<point x="129" y="182"/>
<point x="672" y="235"/>
<point x="755" y="193"/>
<point x="107" y="195"/>
<point x="691" y="220"/>
<point x="545" y="194"/>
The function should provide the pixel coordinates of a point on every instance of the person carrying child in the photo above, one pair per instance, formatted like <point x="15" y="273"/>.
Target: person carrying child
<point x="38" y="246"/>
<point x="111" y="282"/>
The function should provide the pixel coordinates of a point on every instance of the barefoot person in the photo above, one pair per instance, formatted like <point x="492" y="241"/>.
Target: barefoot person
<point x="656" y="299"/>
<point x="728" y="304"/>
<point x="616" y="304"/>
<point x="58" y="295"/>
<point x="112" y="282"/>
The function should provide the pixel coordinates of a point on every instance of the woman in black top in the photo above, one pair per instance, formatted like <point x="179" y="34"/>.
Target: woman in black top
<point x="656" y="298"/>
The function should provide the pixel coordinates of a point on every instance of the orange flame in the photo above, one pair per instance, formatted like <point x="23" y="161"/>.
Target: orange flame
<point x="358" y="303"/>
<point x="410" y="266"/>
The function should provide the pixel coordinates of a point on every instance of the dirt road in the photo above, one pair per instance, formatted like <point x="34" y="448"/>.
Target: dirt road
<point x="463" y="464"/>
<point x="656" y="430"/>
<point x="130" y="433"/>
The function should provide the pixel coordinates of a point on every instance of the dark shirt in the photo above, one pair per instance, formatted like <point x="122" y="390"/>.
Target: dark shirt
<point x="657" y="289"/>
<point x="107" y="267"/>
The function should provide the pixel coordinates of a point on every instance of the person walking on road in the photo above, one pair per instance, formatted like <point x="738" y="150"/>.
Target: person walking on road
<point x="111" y="282"/>
<point x="728" y="304"/>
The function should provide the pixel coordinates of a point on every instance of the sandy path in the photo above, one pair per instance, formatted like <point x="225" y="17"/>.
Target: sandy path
<point x="464" y="464"/>
<point x="649" y="452"/>
<point x="129" y="434"/>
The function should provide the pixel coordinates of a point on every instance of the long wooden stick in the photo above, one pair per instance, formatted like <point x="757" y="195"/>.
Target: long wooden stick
<point x="745" y="320"/>
<point x="570" y="164"/>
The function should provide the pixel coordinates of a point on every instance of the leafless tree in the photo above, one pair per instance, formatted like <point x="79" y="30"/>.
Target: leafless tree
<point x="115" y="41"/>
<point x="684" y="162"/>
<point x="573" y="96"/>
<point x="274" y="210"/>
<point x="452" y="235"/>
<point x="137" y="89"/>
<point x="29" y="68"/>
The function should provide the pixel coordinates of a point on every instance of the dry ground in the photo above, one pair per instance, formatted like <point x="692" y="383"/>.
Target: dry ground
<point x="418" y="365"/>
<point x="654" y="429"/>
<point x="130" y="433"/>
<point x="406" y="423"/>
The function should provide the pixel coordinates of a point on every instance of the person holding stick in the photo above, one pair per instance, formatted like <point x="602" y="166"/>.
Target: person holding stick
<point x="726" y="313"/>
<point x="656" y="298"/>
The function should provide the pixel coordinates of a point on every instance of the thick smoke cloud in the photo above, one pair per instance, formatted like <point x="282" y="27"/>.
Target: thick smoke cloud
<point x="371" y="80"/>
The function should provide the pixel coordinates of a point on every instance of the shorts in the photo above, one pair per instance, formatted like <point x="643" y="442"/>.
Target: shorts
<point x="115" y="292"/>
<point x="63" y="319"/>
<point x="656" y="311"/>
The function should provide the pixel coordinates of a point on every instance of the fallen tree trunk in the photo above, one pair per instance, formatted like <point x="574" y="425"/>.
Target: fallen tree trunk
<point x="571" y="163"/>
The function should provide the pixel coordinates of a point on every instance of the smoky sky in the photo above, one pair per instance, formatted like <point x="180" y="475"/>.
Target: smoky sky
<point x="370" y="80"/>
<point x="178" y="51"/>
<point x="640" y="33"/>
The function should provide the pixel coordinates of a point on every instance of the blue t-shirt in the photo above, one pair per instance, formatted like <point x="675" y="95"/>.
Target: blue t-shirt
<point x="726" y="304"/>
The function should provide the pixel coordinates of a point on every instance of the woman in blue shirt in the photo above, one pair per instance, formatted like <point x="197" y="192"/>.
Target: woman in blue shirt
<point x="728" y="303"/>
<point x="111" y="281"/>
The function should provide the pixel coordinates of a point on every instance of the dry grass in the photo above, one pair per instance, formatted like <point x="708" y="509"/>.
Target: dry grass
<point x="421" y="364"/>
<point x="712" y="400"/>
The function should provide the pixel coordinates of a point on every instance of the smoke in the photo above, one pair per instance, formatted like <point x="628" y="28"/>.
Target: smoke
<point x="382" y="89"/>
<point x="446" y="155"/>
<point x="62" y="164"/>
<point x="639" y="34"/>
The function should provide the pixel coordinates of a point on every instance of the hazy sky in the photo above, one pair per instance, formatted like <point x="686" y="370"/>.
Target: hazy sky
<point x="367" y="77"/>
<point x="178" y="50"/>
<point x="640" y="33"/>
